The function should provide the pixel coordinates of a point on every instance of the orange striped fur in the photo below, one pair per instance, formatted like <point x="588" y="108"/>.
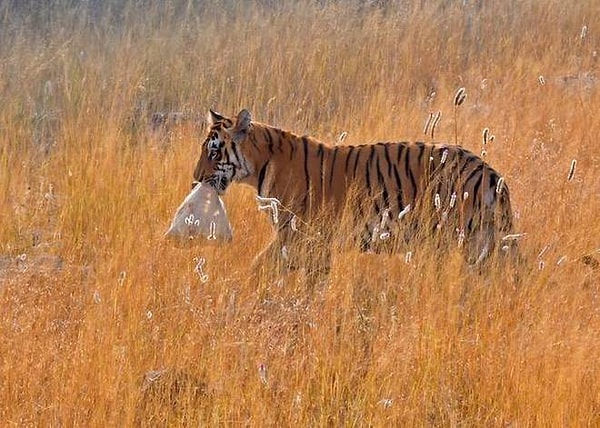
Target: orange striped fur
<point x="446" y="186"/>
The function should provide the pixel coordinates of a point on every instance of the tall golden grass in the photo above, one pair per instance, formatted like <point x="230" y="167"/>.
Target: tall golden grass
<point x="104" y="324"/>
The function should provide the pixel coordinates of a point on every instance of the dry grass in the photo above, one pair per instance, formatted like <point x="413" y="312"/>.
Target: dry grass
<point x="94" y="302"/>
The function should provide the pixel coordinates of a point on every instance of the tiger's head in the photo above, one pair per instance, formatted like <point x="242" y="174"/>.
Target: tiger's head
<point x="221" y="159"/>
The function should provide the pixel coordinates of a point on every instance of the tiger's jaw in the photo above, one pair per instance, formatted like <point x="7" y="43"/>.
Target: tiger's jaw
<point x="219" y="183"/>
<point x="219" y="178"/>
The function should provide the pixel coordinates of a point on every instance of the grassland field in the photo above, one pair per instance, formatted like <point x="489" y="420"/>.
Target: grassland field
<point x="103" y="323"/>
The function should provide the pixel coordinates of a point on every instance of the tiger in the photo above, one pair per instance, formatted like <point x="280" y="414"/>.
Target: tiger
<point x="437" y="185"/>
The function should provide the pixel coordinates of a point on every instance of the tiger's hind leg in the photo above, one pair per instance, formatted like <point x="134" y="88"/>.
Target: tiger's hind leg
<point x="317" y="266"/>
<point x="480" y="244"/>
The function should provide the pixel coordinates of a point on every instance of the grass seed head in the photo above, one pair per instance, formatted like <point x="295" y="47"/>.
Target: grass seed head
<point x="461" y="237"/>
<point x="512" y="237"/>
<point x="543" y="251"/>
<point x="460" y="96"/>
<point x="404" y="212"/>
<point x="437" y="201"/>
<point x="500" y="185"/>
<point x="262" y="373"/>
<point x="572" y="170"/>
<point x="436" y="120"/>
<point x="384" y="218"/>
<point x="485" y="135"/>
<point x="444" y="156"/>
<point x="386" y="403"/>
<point x="452" y="199"/>
<point x="428" y="123"/>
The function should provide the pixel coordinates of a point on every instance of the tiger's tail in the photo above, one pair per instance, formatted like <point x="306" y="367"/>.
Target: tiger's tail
<point x="506" y="214"/>
<point x="508" y="239"/>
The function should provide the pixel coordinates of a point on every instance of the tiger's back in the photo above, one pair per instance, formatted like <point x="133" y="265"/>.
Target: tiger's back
<point x="386" y="177"/>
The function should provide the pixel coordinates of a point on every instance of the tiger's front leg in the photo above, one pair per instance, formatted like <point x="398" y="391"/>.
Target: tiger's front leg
<point x="290" y="251"/>
<point x="311" y="254"/>
<point x="272" y="259"/>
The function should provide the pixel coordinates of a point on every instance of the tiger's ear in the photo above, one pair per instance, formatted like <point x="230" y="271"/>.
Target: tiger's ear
<point x="213" y="117"/>
<point x="242" y="125"/>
